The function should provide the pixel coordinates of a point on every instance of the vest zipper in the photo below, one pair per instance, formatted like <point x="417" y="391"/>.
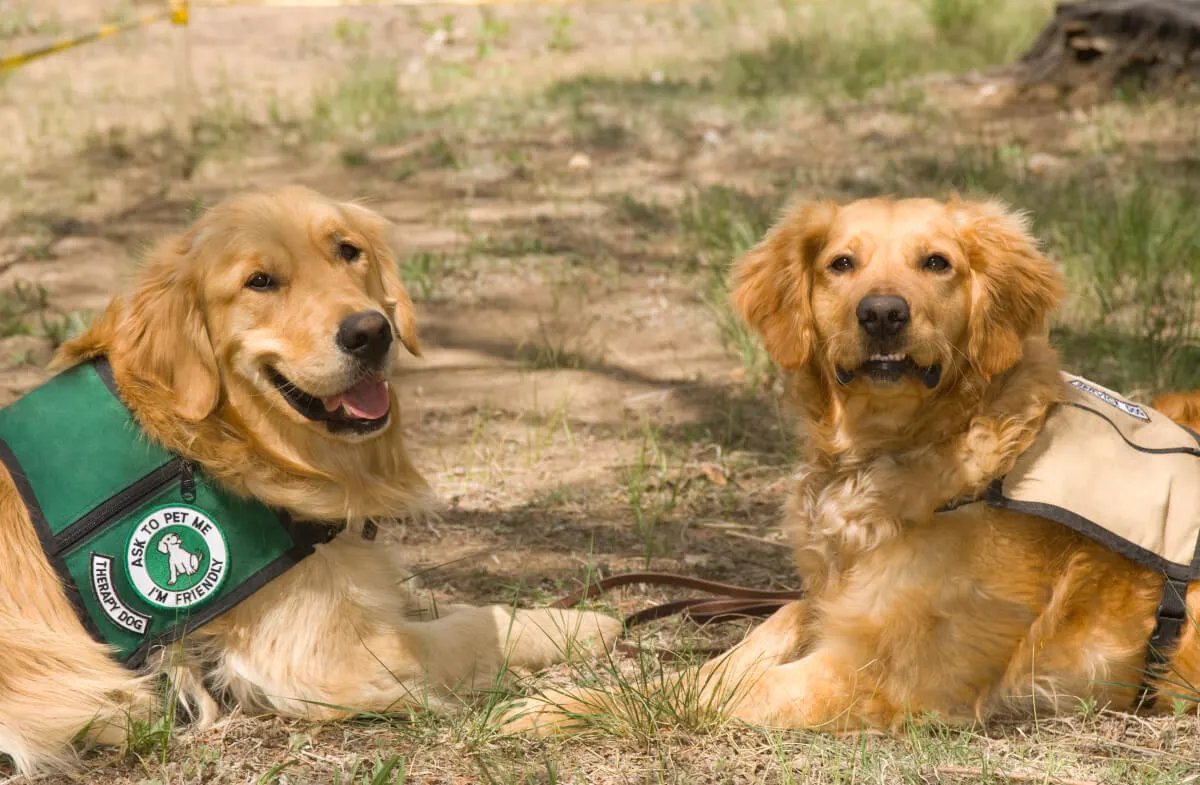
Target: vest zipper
<point x="153" y="483"/>
<point x="187" y="481"/>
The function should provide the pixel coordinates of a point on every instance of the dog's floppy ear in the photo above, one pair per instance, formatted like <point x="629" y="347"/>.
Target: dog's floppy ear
<point x="163" y="337"/>
<point x="772" y="283"/>
<point x="375" y="226"/>
<point x="1015" y="287"/>
<point x="403" y="313"/>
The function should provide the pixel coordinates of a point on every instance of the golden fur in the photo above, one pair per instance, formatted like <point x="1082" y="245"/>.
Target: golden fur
<point x="344" y="628"/>
<point x="1183" y="408"/>
<point x="967" y="614"/>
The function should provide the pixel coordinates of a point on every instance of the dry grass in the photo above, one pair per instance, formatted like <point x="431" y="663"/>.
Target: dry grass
<point x="568" y="189"/>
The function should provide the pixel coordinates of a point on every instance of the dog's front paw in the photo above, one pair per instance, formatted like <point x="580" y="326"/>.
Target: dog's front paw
<point x="554" y="714"/>
<point x="544" y="637"/>
<point x="592" y="632"/>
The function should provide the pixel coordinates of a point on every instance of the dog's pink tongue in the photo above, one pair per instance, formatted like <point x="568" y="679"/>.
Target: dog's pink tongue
<point x="367" y="400"/>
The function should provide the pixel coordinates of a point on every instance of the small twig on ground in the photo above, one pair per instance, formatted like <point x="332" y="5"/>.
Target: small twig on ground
<point x="339" y="762"/>
<point x="732" y="533"/>
<point x="1100" y="741"/>
<point x="432" y="528"/>
<point x="1011" y="776"/>
<point x="661" y="395"/>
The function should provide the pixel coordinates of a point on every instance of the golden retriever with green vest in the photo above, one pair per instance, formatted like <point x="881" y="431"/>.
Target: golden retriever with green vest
<point x="262" y="346"/>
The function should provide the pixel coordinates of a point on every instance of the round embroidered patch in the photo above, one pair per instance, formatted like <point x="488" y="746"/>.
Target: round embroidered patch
<point x="177" y="557"/>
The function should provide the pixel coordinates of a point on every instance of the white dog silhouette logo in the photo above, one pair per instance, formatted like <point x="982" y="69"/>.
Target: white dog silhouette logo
<point x="182" y="562"/>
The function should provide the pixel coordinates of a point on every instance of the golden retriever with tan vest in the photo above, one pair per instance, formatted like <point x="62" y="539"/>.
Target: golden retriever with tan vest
<point x="936" y="528"/>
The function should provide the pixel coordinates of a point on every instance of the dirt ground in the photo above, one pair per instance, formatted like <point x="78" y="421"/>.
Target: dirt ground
<point x="577" y="408"/>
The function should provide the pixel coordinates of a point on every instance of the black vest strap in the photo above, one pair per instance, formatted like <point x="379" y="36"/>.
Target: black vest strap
<point x="1169" y="621"/>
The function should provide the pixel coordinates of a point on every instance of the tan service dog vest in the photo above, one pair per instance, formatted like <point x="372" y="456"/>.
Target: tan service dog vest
<point x="1124" y="475"/>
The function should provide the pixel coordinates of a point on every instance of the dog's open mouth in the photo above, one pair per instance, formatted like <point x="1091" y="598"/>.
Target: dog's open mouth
<point x="362" y="408"/>
<point x="891" y="368"/>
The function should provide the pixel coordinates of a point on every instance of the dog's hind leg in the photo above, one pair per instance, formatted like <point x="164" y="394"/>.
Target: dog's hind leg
<point x="56" y="682"/>
<point x="55" y="689"/>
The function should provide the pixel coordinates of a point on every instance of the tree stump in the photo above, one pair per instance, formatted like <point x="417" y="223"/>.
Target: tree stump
<point x="1094" y="47"/>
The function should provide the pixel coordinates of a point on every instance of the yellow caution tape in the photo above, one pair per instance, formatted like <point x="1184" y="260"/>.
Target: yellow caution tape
<point x="103" y="31"/>
<point x="179" y="15"/>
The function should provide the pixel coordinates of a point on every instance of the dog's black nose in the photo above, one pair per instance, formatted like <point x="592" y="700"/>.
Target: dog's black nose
<point x="883" y="315"/>
<point x="366" y="335"/>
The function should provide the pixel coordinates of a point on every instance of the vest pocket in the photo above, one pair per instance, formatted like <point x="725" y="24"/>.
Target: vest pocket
<point x="125" y="501"/>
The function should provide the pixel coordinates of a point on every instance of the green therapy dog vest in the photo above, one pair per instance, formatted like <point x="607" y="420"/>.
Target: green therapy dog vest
<point x="147" y="546"/>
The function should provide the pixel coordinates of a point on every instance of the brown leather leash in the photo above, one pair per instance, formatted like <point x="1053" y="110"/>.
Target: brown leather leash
<point x="733" y="602"/>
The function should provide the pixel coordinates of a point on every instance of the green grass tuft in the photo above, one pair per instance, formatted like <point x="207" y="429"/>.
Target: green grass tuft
<point x="421" y="272"/>
<point x="841" y="50"/>
<point x="718" y="225"/>
<point x="957" y="18"/>
<point x="368" y="102"/>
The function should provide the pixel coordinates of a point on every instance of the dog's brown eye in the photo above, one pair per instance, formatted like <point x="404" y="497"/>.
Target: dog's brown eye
<point x="261" y="282"/>
<point x="842" y="264"/>
<point x="348" y="252"/>
<point x="936" y="263"/>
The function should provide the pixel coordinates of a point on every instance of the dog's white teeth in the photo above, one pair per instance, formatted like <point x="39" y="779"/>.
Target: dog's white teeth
<point x="887" y="358"/>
